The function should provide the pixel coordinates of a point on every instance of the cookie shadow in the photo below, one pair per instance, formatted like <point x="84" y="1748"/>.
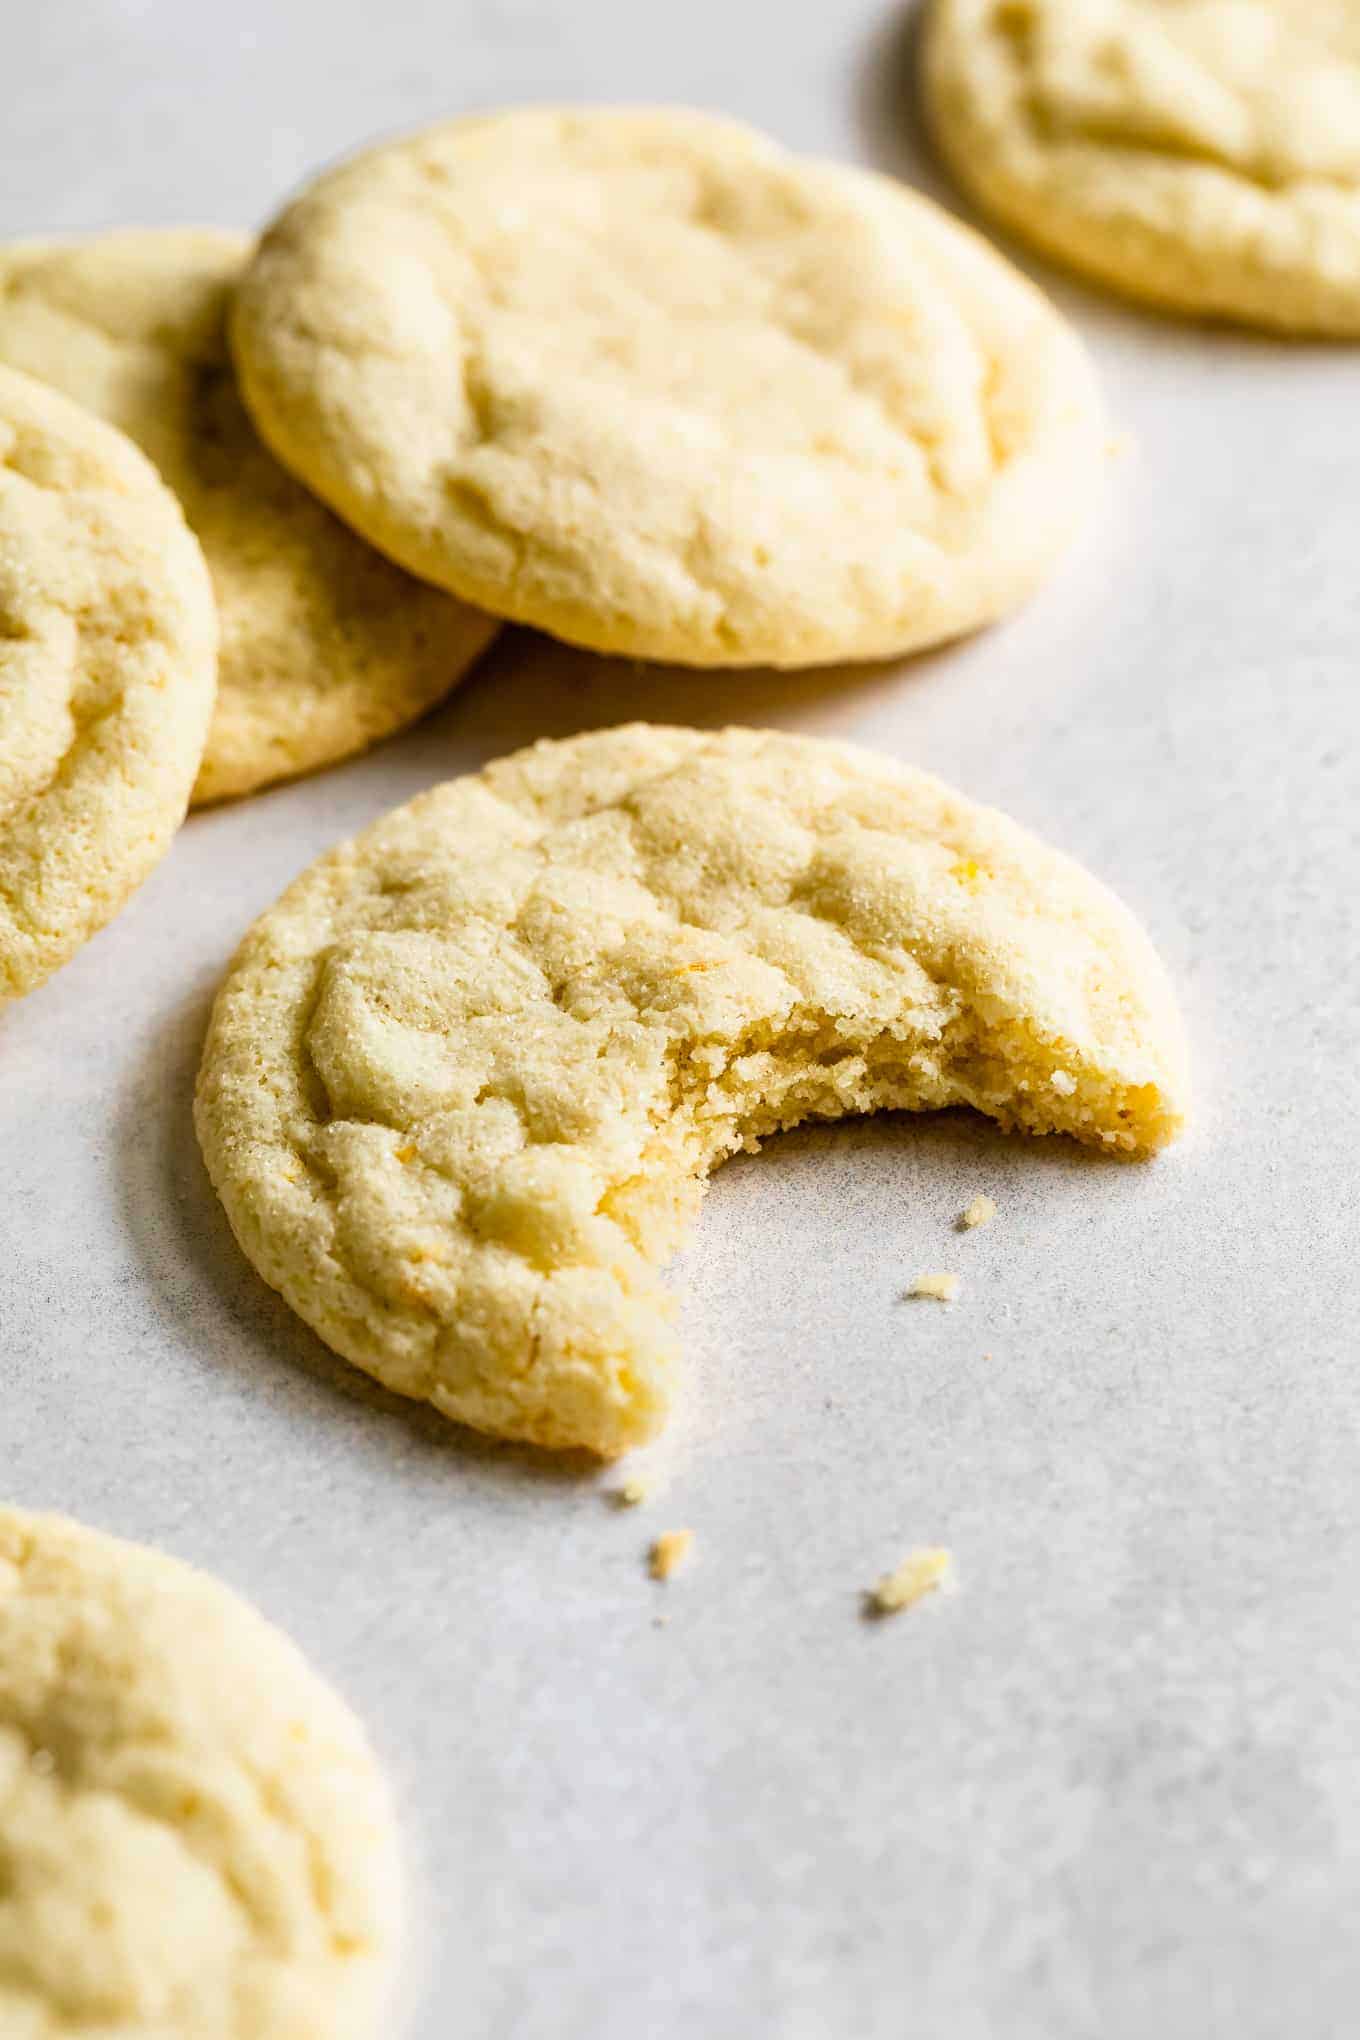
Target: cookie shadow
<point x="890" y="110"/>
<point x="228" y="1316"/>
<point x="530" y="686"/>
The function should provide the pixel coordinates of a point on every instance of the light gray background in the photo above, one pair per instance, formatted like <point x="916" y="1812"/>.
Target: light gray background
<point x="1109" y="1789"/>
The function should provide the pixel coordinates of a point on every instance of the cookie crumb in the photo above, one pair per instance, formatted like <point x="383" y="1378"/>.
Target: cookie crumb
<point x="922" y="1572"/>
<point x="941" y="1288"/>
<point x="632" y="1494"/>
<point x="981" y="1211"/>
<point x="669" y="1553"/>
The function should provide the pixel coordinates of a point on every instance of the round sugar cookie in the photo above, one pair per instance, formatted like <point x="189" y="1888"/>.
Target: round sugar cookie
<point x="196" y="1842"/>
<point x="108" y="654"/>
<point x="464" y="1083"/>
<point x="326" y="646"/>
<point x="1200" y="154"/>
<point x="649" y="382"/>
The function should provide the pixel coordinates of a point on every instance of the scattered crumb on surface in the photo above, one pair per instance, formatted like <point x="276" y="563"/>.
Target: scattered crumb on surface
<point x="922" y="1572"/>
<point x="986" y="1356"/>
<point x="631" y="1494"/>
<point x="942" y="1288"/>
<point x="981" y="1211"/>
<point x="669" y="1553"/>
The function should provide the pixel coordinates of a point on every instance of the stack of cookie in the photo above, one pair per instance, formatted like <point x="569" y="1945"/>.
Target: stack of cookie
<point x="643" y="380"/>
<point x="116" y="619"/>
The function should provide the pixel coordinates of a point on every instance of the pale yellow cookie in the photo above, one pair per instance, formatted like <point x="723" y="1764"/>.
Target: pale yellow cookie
<point x="326" y="646"/>
<point x="465" y="1082"/>
<point x="108" y="652"/>
<point x="1203" y="154"/>
<point x="651" y="383"/>
<point x="196" y="1843"/>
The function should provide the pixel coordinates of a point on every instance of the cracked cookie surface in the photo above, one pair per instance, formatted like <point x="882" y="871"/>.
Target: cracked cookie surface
<point x="465" y="1081"/>
<point x="196" y="1843"/>
<point x="108" y="652"/>
<point x="651" y="383"/>
<point x="1203" y="154"/>
<point x="325" y="645"/>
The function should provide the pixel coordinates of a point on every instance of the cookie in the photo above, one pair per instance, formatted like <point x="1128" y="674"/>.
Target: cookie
<point x="197" y="1844"/>
<point x="1201" y="154"/>
<point x="649" y="382"/>
<point x="108" y="653"/>
<point x="326" y="646"/>
<point x="465" y="1081"/>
